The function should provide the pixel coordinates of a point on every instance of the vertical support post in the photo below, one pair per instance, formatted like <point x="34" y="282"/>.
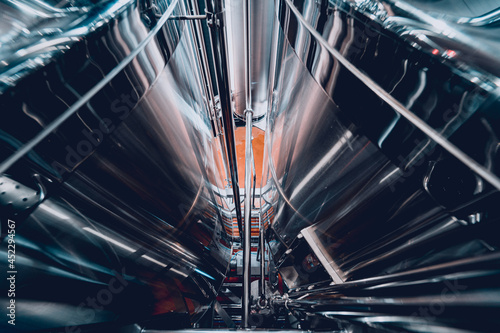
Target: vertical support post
<point x="247" y="265"/>
<point x="248" y="64"/>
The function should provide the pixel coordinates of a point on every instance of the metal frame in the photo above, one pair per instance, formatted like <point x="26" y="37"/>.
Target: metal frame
<point x="332" y="269"/>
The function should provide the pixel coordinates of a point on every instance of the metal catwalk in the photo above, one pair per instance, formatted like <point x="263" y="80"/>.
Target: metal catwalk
<point x="286" y="165"/>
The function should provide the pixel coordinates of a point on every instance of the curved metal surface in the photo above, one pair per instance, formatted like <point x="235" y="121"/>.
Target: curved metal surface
<point x="457" y="296"/>
<point x="404" y="153"/>
<point x="380" y="173"/>
<point x="35" y="32"/>
<point x="133" y="178"/>
<point x="220" y="57"/>
<point x="261" y="13"/>
<point x="85" y="98"/>
<point x="350" y="176"/>
<point x="476" y="13"/>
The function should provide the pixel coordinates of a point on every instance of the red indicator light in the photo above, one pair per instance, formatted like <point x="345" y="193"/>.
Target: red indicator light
<point x="435" y="51"/>
<point x="451" y="53"/>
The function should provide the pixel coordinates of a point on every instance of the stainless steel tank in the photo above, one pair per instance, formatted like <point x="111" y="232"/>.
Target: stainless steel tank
<point x="119" y="197"/>
<point x="124" y="221"/>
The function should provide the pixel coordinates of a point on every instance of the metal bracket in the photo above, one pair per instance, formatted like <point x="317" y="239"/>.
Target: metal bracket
<point x="324" y="6"/>
<point x="188" y="17"/>
<point x="18" y="199"/>
<point x="224" y="315"/>
<point x="216" y="119"/>
<point x="212" y="19"/>
<point x="330" y="266"/>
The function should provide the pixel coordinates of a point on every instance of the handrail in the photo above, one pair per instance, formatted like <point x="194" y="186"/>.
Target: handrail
<point x="6" y="164"/>
<point x="398" y="107"/>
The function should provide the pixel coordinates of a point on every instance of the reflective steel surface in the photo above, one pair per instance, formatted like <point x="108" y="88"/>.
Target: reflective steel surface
<point x="131" y="213"/>
<point x="261" y="24"/>
<point x="119" y="195"/>
<point x="351" y="179"/>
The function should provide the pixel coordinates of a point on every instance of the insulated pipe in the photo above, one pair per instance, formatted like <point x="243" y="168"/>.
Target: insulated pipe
<point x="247" y="226"/>
<point x="221" y="67"/>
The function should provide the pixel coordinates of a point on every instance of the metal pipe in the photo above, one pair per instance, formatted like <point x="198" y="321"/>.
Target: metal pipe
<point x="203" y="53"/>
<point x="210" y="86"/>
<point x="201" y="65"/>
<point x="481" y="262"/>
<point x="254" y="173"/>
<point x="207" y="81"/>
<point x="247" y="226"/>
<point x="248" y="69"/>
<point x="247" y="265"/>
<point x="262" y="247"/>
<point x="218" y="39"/>
<point x="189" y="17"/>
<point x="486" y="19"/>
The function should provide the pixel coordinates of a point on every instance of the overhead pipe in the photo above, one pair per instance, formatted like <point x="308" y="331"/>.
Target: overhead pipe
<point x="247" y="265"/>
<point x="218" y="39"/>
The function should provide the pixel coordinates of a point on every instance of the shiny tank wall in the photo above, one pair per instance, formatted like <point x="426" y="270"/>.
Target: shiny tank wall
<point x="360" y="194"/>
<point x="123" y="222"/>
<point x="261" y="26"/>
